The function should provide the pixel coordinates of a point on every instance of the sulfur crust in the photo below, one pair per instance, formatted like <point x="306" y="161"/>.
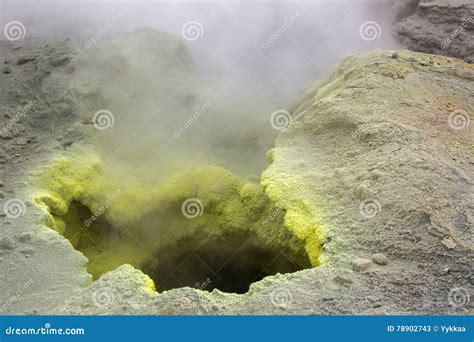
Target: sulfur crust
<point x="300" y="218"/>
<point x="229" y="204"/>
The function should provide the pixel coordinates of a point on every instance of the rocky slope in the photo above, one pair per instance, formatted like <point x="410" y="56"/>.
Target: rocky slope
<point x="440" y="27"/>
<point x="378" y="157"/>
<point x="381" y="153"/>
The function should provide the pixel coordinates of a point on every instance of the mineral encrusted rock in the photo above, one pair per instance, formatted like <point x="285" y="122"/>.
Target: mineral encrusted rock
<point x="361" y="264"/>
<point x="376" y="128"/>
<point x="382" y="153"/>
<point x="379" y="155"/>
<point x="380" y="259"/>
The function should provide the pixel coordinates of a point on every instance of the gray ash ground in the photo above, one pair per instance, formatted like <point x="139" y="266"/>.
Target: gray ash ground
<point x="377" y="130"/>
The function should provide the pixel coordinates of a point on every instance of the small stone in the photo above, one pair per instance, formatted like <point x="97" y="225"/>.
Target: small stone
<point x="25" y="236"/>
<point x="22" y="142"/>
<point x="361" y="264"/>
<point x="343" y="279"/>
<point x="380" y="259"/>
<point x="6" y="135"/>
<point x="449" y="243"/>
<point x="26" y="58"/>
<point x="2" y="195"/>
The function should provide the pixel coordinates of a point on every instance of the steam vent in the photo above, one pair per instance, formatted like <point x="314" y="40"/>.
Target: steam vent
<point x="139" y="176"/>
<point x="231" y="232"/>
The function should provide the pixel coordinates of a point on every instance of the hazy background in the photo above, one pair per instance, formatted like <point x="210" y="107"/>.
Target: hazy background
<point x="250" y="59"/>
<point x="234" y="33"/>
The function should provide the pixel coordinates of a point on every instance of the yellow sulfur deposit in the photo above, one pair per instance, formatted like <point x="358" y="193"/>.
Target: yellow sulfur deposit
<point x="186" y="218"/>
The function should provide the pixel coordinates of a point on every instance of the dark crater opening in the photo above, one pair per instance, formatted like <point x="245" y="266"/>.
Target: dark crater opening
<point x="229" y="263"/>
<point x="226" y="258"/>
